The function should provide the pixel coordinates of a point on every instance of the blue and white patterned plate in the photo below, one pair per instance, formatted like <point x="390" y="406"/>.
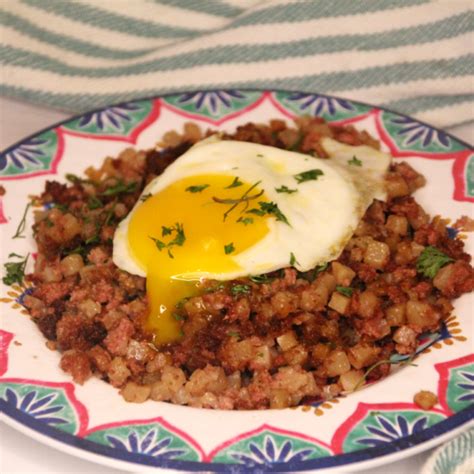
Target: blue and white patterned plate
<point x="377" y="425"/>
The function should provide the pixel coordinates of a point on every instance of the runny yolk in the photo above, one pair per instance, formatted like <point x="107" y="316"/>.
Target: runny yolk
<point x="178" y="236"/>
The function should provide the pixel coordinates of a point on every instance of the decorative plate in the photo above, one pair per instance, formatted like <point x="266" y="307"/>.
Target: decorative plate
<point x="376" y="425"/>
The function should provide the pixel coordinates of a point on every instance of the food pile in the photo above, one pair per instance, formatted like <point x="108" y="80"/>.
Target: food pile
<point x="270" y="340"/>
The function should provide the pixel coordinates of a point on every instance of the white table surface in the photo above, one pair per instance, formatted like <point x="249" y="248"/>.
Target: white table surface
<point x="21" y="454"/>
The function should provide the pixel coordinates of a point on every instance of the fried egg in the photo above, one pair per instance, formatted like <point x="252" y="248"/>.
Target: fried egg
<point x="227" y="209"/>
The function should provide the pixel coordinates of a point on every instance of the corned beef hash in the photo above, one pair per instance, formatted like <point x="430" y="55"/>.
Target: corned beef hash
<point x="266" y="268"/>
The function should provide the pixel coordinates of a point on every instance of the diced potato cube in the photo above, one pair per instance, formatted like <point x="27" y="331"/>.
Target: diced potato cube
<point x="395" y="314"/>
<point x="296" y="355"/>
<point x="342" y="274"/>
<point x="397" y="224"/>
<point x="368" y="304"/>
<point x="339" y="303"/>
<point x="351" y="379"/>
<point x="337" y="363"/>
<point x="287" y="340"/>
<point x="377" y="254"/>
<point x="425" y="399"/>
<point x="421" y="314"/>
<point x="363" y="355"/>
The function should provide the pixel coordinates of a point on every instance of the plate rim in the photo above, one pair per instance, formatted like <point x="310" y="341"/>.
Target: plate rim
<point x="83" y="448"/>
<point x="244" y="89"/>
<point x="415" y="443"/>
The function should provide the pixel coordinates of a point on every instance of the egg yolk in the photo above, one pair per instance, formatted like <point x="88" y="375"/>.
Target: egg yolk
<point x="193" y="227"/>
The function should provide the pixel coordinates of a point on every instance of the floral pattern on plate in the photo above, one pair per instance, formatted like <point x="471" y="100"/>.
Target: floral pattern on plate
<point x="332" y="109"/>
<point x="268" y="445"/>
<point x="122" y="122"/>
<point x="214" y="106"/>
<point x="373" y="425"/>
<point x="33" y="157"/>
<point x="53" y="404"/>
<point x="155" y="438"/>
<point x="456" y="384"/>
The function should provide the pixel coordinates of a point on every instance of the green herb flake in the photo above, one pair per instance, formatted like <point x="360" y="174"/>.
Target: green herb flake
<point x="197" y="189"/>
<point x="269" y="208"/>
<point x="72" y="178"/>
<point x="120" y="188"/>
<point x="285" y="189"/>
<point x="22" y="225"/>
<point x="94" y="203"/>
<point x="244" y="199"/>
<point x="145" y="197"/>
<point x="344" y="290"/>
<point x="408" y="361"/>
<point x="166" y="231"/>
<point x="321" y="268"/>
<point x="240" y="290"/>
<point x="261" y="279"/>
<point x="49" y="223"/>
<point x="354" y="161"/>
<point x="61" y="207"/>
<point x="310" y="175"/>
<point x="431" y="260"/>
<point x="95" y="239"/>
<point x="178" y="317"/>
<point x="233" y="334"/>
<point x="245" y="220"/>
<point x="15" y="271"/>
<point x="229" y="248"/>
<point x="259" y="155"/>
<point x="293" y="260"/>
<point x="235" y="184"/>
<point x="178" y="240"/>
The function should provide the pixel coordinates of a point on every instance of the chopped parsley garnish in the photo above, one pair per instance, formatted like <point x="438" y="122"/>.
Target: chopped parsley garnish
<point x="120" y="188"/>
<point x="240" y="290"/>
<point x="293" y="260"/>
<point x="72" y="178"/>
<point x="408" y="361"/>
<point x="21" y="226"/>
<point x="259" y="155"/>
<point x="178" y="317"/>
<point x="269" y="208"/>
<point x="244" y="199"/>
<point x="197" y="189"/>
<point x="61" y="207"/>
<point x="261" y="279"/>
<point x="321" y="268"/>
<point x="15" y="271"/>
<point x="431" y="260"/>
<point x="166" y="231"/>
<point x="94" y="203"/>
<point x="235" y="184"/>
<point x="354" y="161"/>
<point x="233" y="334"/>
<point x="178" y="240"/>
<point x="229" y="248"/>
<point x="145" y="197"/>
<point x="310" y="175"/>
<point x="285" y="189"/>
<point x="344" y="290"/>
<point x="95" y="239"/>
<point x="109" y="216"/>
<point x="245" y="220"/>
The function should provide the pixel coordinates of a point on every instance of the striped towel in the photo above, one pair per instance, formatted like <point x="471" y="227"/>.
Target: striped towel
<point x="414" y="56"/>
